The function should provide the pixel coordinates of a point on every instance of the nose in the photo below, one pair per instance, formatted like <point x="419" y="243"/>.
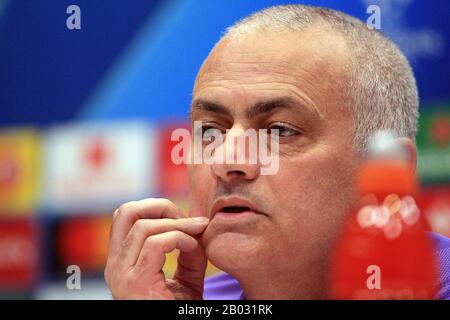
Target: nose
<point x="239" y="158"/>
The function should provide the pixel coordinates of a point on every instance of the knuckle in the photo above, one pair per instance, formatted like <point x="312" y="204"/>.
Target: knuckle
<point x="106" y="277"/>
<point x="167" y="203"/>
<point x="151" y="243"/>
<point x="164" y="200"/>
<point x="178" y="234"/>
<point x="108" y="273"/>
<point x="170" y="206"/>
<point x="114" y="217"/>
<point x="140" y="226"/>
<point x="126" y="208"/>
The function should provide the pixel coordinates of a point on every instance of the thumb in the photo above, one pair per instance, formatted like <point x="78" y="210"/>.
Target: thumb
<point x="191" y="269"/>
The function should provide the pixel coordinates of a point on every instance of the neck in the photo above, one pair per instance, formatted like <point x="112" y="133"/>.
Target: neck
<point x="283" y="285"/>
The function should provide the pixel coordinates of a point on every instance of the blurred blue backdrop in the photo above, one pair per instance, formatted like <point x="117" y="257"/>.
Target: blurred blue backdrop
<point x="140" y="58"/>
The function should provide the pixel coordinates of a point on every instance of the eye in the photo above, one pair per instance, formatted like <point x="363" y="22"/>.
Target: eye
<point x="284" y="131"/>
<point x="208" y="131"/>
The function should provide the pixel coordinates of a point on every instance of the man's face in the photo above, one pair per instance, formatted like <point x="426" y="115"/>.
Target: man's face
<point x="294" y="83"/>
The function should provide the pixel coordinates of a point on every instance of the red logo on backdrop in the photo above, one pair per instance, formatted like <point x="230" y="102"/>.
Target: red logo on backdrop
<point x="96" y="153"/>
<point x="84" y="241"/>
<point x="440" y="131"/>
<point x="174" y="177"/>
<point x="9" y="171"/>
<point x="18" y="254"/>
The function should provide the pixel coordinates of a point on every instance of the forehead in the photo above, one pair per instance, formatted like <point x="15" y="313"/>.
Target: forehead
<point x="257" y="65"/>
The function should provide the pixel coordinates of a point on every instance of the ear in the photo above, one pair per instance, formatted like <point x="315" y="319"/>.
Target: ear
<point x="412" y="152"/>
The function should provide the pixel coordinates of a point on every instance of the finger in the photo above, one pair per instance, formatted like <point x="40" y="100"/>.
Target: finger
<point x="191" y="268"/>
<point x="128" y="213"/>
<point x="152" y="256"/>
<point x="143" y="228"/>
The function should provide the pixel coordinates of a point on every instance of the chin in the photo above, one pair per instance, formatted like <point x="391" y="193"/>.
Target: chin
<point x="233" y="252"/>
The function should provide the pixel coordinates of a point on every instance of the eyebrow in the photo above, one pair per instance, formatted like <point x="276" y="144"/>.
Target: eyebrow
<point x="259" y="108"/>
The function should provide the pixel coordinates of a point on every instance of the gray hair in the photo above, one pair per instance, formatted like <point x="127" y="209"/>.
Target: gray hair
<point x="382" y="89"/>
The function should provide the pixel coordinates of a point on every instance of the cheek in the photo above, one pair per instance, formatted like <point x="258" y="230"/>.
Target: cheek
<point x="313" y="191"/>
<point x="200" y="189"/>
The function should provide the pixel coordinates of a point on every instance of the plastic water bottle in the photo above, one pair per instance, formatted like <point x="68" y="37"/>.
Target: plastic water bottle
<point x="384" y="251"/>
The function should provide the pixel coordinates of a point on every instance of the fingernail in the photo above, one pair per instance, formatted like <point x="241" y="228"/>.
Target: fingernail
<point x="200" y="219"/>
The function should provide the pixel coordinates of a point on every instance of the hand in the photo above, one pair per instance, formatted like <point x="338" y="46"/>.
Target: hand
<point x="142" y="232"/>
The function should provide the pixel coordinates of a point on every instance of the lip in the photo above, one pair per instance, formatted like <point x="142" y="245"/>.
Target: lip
<point x="221" y="203"/>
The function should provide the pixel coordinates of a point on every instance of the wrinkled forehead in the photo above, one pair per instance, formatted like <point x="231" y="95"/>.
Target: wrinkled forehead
<point x="250" y="67"/>
<point x="314" y="56"/>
